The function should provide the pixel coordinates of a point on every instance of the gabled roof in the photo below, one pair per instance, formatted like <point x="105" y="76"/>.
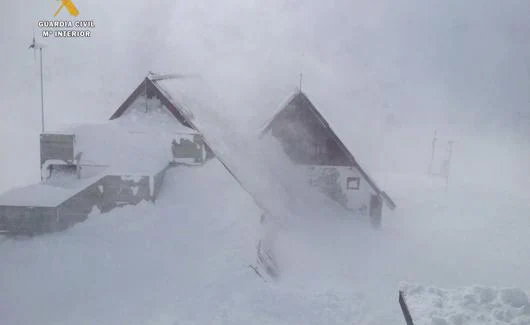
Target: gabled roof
<point x="179" y="108"/>
<point x="152" y="89"/>
<point x="300" y="99"/>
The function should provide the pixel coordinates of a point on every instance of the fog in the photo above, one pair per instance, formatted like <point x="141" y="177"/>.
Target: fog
<point x="384" y="74"/>
<point x="458" y="66"/>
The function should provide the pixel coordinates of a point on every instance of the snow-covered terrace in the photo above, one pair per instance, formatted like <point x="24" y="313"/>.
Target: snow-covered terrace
<point x="137" y="144"/>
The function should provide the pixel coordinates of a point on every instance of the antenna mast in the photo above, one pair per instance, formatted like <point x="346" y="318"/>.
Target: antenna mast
<point x="34" y="45"/>
<point x="301" y="82"/>
<point x="433" y="151"/>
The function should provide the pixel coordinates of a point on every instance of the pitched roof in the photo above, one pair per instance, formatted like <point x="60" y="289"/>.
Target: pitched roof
<point x="186" y="96"/>
<point x="300" y="99"/>
<point x="154" y="90"/>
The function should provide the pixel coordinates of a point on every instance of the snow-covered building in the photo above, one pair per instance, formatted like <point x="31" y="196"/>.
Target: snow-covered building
<point x="309" y="140"/>
<point x="123" y="160"/>
<point x="104" y="165"/>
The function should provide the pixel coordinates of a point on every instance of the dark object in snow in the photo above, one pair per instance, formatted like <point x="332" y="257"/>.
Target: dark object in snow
<point x="189" y="149"/>
<point x="376" y="210"/>
<point x="405" y="309"/>
<point x="267" y="261"/>
<point x="257" y="271"/>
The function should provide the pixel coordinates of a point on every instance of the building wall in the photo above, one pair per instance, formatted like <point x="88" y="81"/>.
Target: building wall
<point x="190" y="148"/>
<point x="105" y="194"/>
<point x="27" y="220"/>
<point x="305" y="139"/>
<point x="344" y="185"/>
<point x="123" y="190"/>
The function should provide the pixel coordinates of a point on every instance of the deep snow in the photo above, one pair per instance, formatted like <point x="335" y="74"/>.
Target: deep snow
<point x="185" y="260"/>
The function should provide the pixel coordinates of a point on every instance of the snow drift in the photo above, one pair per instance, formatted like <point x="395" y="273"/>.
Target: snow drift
<point x="470" y="305"/>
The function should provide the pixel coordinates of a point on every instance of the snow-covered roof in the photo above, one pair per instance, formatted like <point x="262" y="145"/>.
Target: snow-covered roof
<point x="138" y="142"/>
<point x="469" y="305"/>
<point x="149" y="89"/>
<point x="45" y="194"/>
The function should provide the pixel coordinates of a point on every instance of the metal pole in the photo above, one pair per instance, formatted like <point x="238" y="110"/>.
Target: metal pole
<point x="432" y="153"/>
<point x="145" y="89"/>
<point x="300" y="82"/>
<point x="41" y="91"/>
<point x="448" y="165"/>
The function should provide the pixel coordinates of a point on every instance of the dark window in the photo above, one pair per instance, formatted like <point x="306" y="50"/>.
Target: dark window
<point x="353" y="183"/>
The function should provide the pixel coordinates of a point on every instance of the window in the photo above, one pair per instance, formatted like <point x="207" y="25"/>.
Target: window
<point x="353" y="183"/>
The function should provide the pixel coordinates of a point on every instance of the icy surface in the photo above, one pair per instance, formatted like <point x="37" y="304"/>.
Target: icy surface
<point x="470" y="305"/>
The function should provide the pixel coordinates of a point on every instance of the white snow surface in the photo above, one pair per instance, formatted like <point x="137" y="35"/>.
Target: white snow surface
<point x="137" y="143"/>
<point x="181" y="261"/>
<point x="185" y="259"/>
<point x="476" y="305"/>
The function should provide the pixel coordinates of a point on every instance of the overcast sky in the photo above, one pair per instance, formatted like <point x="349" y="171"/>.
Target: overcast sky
<point x="430" y="63"/>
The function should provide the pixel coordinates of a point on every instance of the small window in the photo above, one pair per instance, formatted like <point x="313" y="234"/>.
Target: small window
<point x="353" y="183"/>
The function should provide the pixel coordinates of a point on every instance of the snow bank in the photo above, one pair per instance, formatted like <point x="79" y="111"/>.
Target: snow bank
<point x="184" y="260"/>
<point x="471" y="305"/>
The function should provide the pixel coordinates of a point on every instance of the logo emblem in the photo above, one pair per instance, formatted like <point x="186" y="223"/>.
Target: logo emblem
<point x="70" y="6"/>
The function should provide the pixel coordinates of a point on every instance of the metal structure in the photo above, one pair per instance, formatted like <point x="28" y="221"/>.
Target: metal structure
<point x="37" y="46"/>
<point x="445" y="167"/>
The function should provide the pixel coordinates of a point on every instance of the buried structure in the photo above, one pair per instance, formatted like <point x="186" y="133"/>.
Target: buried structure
<point x="309" y="141"/>
<point x="103" y="166"/>
<point x="123" y="161"/>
